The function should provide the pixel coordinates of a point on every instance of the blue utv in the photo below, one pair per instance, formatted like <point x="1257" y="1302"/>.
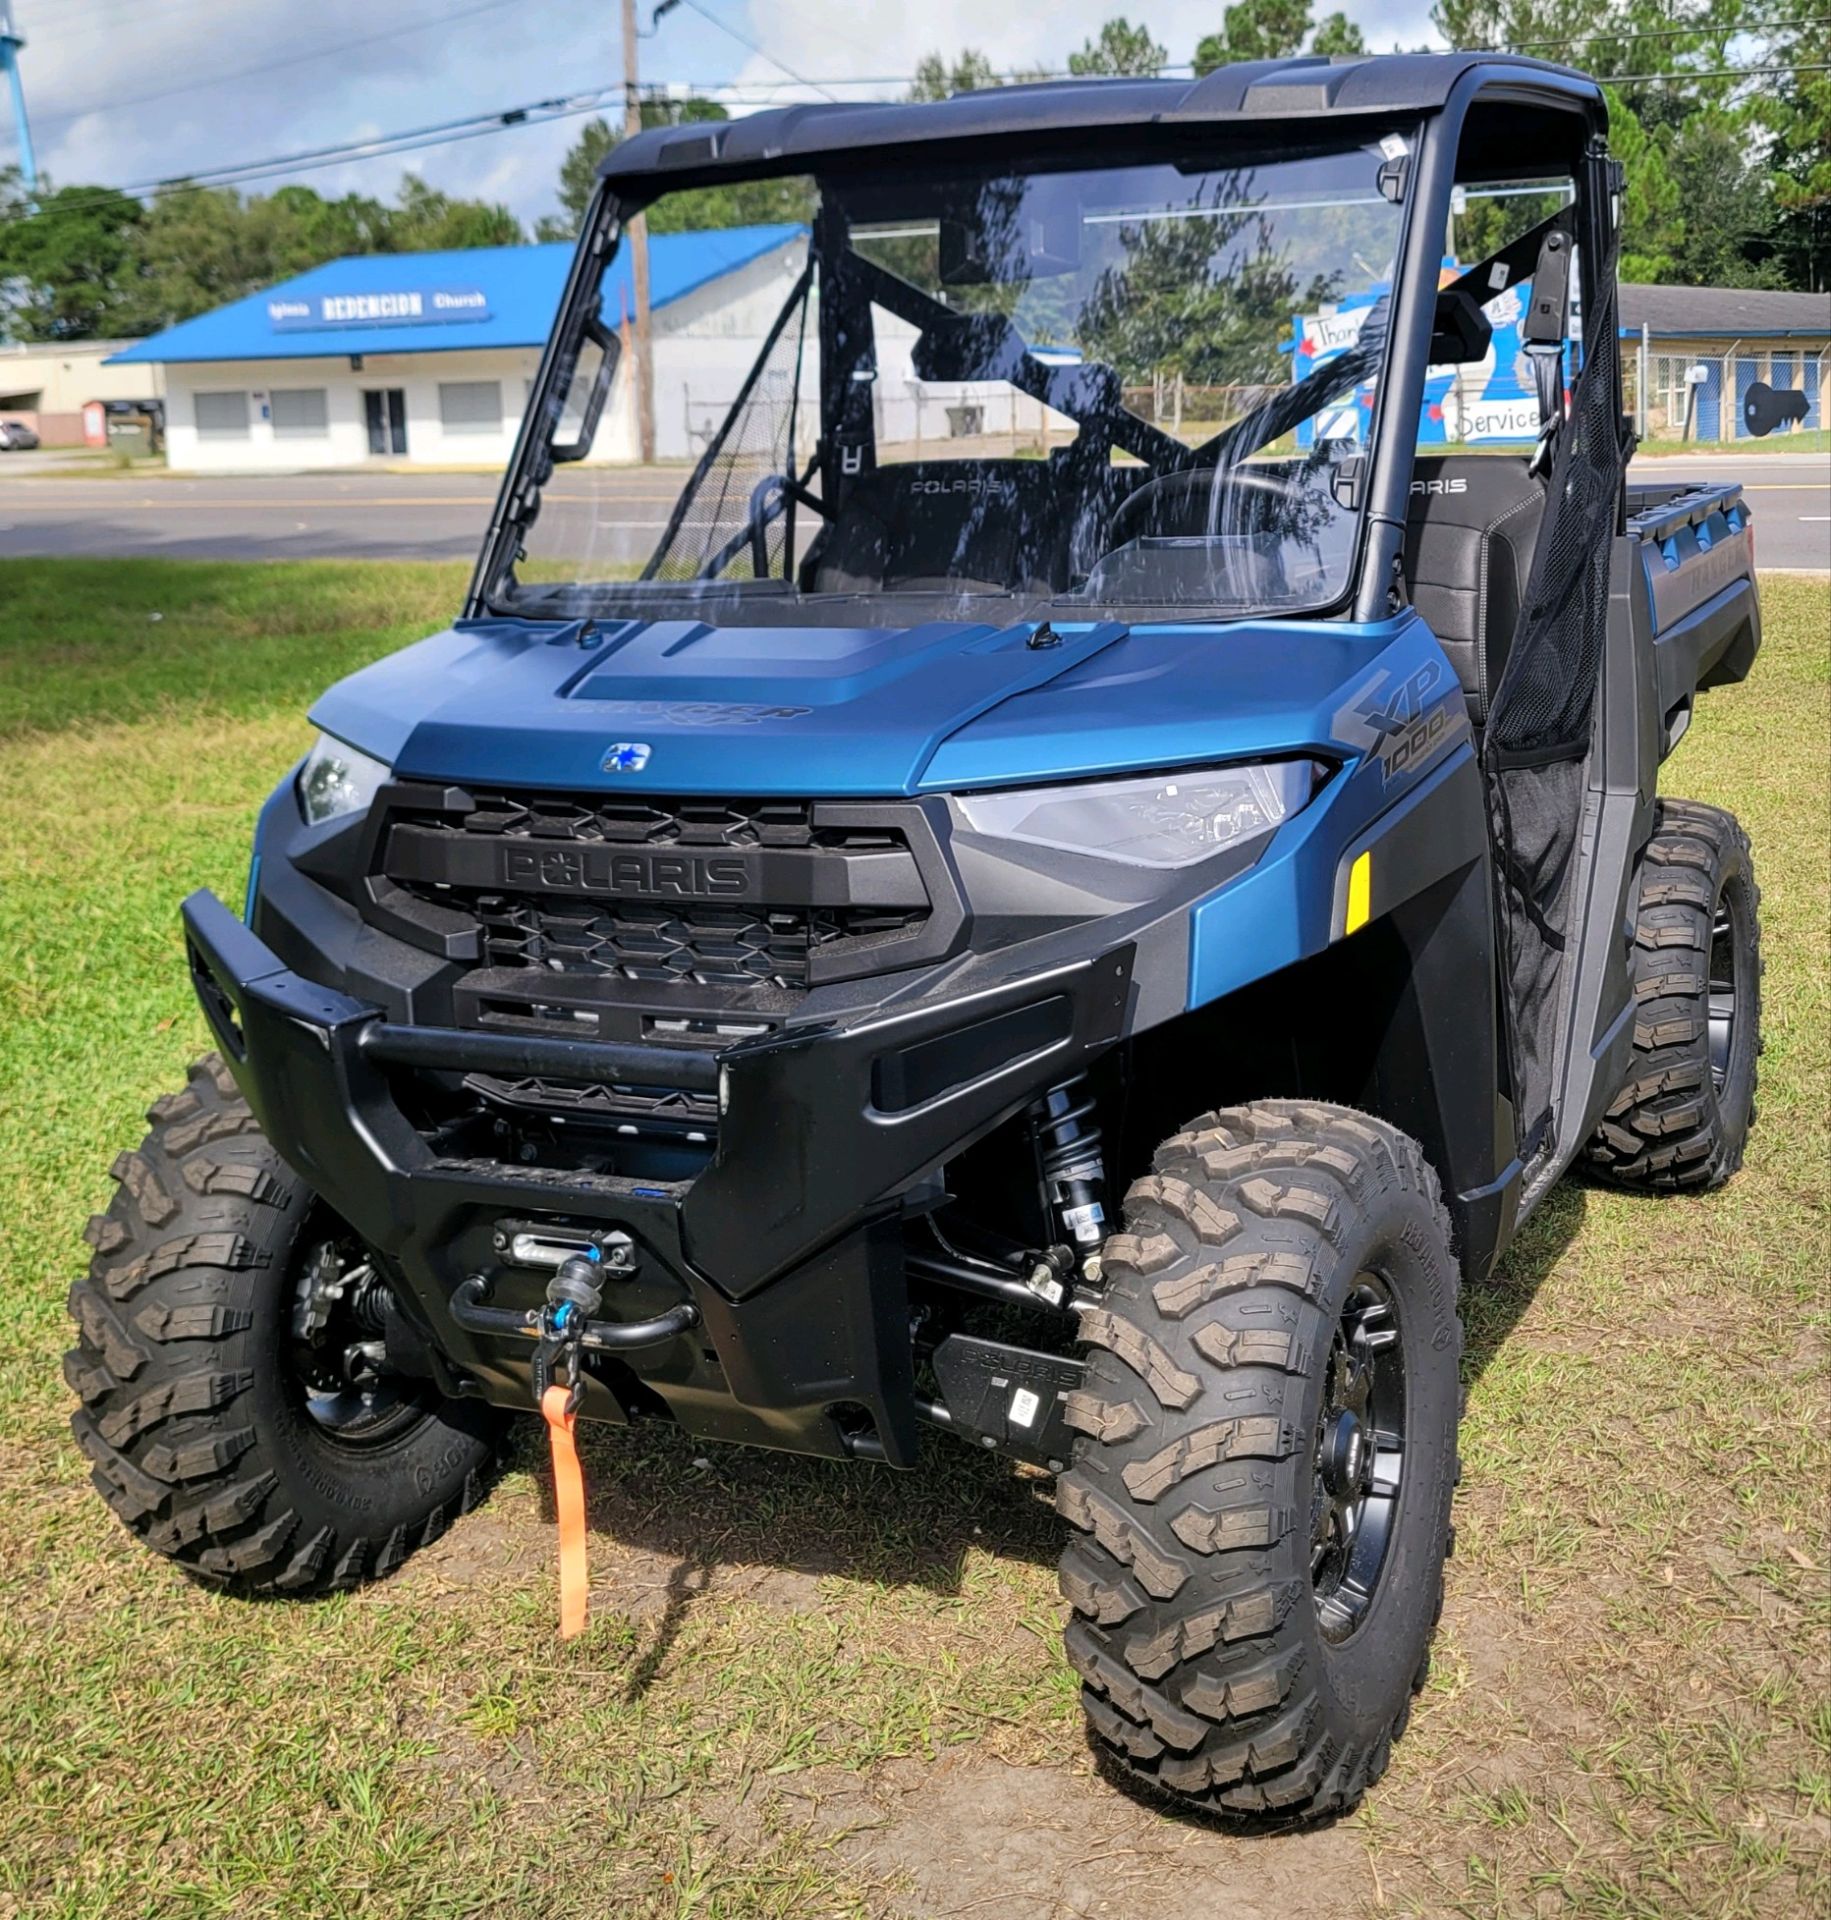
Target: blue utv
<point x="1091" y="874"/>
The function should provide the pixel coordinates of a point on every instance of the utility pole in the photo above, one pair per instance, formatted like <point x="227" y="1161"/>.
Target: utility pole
<point x="638" y="252"/>
<point x="11" y="40"/>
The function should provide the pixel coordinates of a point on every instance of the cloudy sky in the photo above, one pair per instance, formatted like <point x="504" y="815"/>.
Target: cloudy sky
<point x="125" y="91"/>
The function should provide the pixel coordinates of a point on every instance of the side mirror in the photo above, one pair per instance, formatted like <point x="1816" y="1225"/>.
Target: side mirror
<point x="1460" y="332"/>
<point x="594" y="334"/>
<point x="1764" y="408"/>
<point x="1002" y="237"/>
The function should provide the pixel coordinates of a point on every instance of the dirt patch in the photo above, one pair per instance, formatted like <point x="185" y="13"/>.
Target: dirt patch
<point x="969" y="1835"/>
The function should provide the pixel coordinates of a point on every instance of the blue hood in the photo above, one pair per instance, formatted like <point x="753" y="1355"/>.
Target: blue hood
<point x="845" y="710"/>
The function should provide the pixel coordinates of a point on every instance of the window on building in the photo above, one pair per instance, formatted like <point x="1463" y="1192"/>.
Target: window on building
<point x="470" y="406"/>
<point x="300" y="413"/>
<point x="220" y="416"/>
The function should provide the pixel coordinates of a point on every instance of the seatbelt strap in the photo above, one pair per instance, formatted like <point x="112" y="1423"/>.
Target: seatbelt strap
<point x="1543" y="333"/>
<point x="1548" y="375"/>
<point x="559" y="1404"/>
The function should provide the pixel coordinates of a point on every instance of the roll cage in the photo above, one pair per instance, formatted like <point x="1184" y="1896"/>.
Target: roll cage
<point x="1473" y="112"/>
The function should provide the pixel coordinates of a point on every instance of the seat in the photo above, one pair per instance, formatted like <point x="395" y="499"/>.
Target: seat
<point x="928" y="526"/>
<point x="1469" y="537"/>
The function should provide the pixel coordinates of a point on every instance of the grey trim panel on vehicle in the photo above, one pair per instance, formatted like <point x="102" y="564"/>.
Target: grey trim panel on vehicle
<point x="1711" y="647"/>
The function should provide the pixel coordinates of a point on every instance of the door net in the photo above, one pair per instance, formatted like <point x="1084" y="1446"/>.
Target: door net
<point x="1538" y="733"/>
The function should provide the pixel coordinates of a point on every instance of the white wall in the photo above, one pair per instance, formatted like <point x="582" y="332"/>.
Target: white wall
<point x="64" y="375"/>
<point x="345" y="441"/>
<point x="705" y="344"/>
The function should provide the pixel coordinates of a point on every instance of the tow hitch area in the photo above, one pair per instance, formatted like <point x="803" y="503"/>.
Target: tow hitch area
<point x="572" y="1298"/>
<point x="562" y="1328"/>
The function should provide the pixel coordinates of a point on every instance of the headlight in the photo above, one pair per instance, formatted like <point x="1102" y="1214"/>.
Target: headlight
<point x="336" y="780"/>
<point x="1169" y="820"/>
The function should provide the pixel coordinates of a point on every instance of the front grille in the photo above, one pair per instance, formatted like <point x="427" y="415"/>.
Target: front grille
<point x="662" y="945"/>
<point x="634" y="1109"/>
<point x="638" y="821"/>
<point x="627" y="895"/>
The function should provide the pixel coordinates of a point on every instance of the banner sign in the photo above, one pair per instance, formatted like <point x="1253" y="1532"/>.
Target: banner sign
<point x="398" y="307"/>
<point x="1490" y="402"/>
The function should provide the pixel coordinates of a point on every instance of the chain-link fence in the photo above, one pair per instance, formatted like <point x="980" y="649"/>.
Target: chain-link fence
<point x="1698" y="396"/>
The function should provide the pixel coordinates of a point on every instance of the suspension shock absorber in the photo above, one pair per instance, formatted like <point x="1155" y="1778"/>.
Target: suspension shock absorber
<point x="1072" y="1159"/>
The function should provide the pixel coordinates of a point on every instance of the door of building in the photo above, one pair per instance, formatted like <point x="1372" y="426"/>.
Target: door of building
<point x="385" y="409"/>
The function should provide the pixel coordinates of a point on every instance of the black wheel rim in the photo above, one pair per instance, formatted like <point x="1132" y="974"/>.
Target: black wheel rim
<point x="1360" y="1457"/>
<point x="337" y="1358"/>
<point x="1724" y="992"/>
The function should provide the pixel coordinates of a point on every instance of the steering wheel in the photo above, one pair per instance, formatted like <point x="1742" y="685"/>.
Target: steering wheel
<point x="1191" y="484"/>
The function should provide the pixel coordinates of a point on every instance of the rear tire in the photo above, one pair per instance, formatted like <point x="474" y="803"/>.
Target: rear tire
<point x="1282" y="1259"/>
<point x="198" y="1427"/>
<point x="1681" y="1121"/>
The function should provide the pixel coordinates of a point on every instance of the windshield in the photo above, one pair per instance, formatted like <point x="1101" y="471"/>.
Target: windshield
<point x="983" y="394"/>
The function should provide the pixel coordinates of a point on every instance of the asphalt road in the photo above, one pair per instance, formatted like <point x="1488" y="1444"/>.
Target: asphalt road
<point x="442" y="516"/>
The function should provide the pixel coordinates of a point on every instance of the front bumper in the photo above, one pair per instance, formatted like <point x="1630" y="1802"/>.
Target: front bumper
<point x="788" y="1243"/>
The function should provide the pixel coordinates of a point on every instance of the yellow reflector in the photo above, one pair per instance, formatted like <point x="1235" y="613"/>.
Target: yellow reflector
<point x="1360" y="893"/>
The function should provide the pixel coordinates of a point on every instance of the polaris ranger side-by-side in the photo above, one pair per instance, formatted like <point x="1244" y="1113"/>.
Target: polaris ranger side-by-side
<point x="1058" y="922"/>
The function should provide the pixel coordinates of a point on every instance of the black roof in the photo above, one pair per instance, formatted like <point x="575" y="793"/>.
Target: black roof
<point x="1311" y="88"/>
<point x="1714" y="313"/>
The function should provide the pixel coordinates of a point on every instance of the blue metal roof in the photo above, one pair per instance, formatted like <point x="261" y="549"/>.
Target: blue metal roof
<point x="440" y="302"/>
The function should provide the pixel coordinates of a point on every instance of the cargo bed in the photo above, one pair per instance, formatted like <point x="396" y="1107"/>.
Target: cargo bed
<point x="1695" y="552"/>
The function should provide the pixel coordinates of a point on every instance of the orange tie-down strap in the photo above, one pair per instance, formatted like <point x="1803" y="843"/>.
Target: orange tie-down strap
<point x="569" y="1508"/>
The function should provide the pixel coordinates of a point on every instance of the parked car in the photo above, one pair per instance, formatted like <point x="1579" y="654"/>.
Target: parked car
<point x="16" y="437"/>
<point x="740" y="995"/>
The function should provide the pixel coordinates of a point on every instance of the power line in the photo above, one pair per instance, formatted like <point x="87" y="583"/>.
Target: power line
<point x="744" y="40"/>
<point x="1702" y="30"/>
<point x="539" y="112"/>
<point x="1699" y="29"/>
<point x="272" y="66"/>
<point x="87" y="25"/>
<point x="381" y="146"/>
<point x="1683" y="76"/>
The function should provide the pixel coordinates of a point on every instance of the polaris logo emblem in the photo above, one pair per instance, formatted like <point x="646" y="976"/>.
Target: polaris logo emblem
<point x="1439" y="486"/>
<point x="969" y="483"/>
<point x="644" y="876"/>
<point x="627" y="756"/>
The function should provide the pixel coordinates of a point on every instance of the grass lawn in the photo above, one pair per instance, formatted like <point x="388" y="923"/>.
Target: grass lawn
<point x="815" y="1690"/>
<point x="1806" y="440"/>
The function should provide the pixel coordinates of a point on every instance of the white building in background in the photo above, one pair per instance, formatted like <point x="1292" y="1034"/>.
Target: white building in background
<point x="428" y="359"/>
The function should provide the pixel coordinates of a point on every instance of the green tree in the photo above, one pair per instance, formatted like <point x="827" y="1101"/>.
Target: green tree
<point x="424" y="220"/>
<point x="578" y="180"/>
<point x="1709" y="192"/>
<point x="70" y="267"/>
<point x="1796" y="108"/>
<point x="298" y="228"/>
<point x="1649" y="201"/>
<point x="1121" y="49"/>
<point x="1255" y="30"/>
<point x="937" y="79"/>
<point x="1726" y="205"/>
<point x="1338" y="35"/>
<point x="88" y="261"/>
<point x="200" y="248"/>
<point x="1210" y="298"/>
<point x="1686" y="48"/>
<point x="760" y="201"/>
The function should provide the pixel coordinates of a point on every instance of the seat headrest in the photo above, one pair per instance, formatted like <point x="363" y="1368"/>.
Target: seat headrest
<point x="1470" y="489"/>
